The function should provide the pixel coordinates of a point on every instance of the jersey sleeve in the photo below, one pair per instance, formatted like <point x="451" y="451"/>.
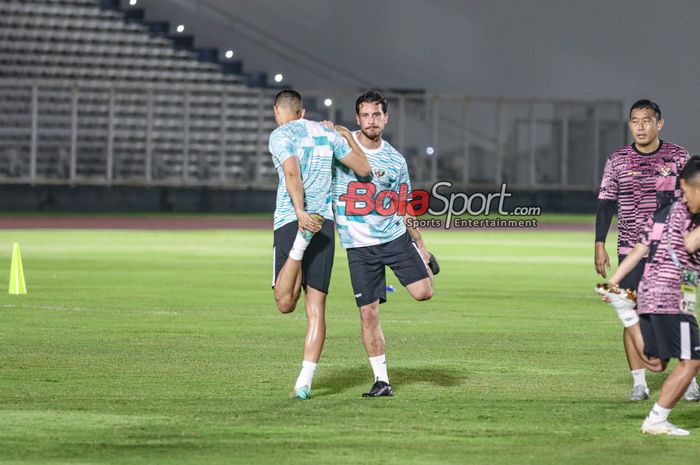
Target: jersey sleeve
<point x="404" y="178"/>
<point x="603" y="219"/>
<point x="609" y="187"/>
<point x="281" y="148"/>
<point x="341" y="148"/>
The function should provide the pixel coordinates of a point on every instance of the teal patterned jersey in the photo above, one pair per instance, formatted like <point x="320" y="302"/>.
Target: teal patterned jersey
<point x="315" y="146"/>
<point x="389" y="173"/>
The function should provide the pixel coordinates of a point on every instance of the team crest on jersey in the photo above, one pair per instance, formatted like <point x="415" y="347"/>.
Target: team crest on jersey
<point x="665" y="170"/>
<point x="378" y="173"/>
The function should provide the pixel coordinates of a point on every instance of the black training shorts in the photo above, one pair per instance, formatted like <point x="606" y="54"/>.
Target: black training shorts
<point x="317" y="264"/>
<point x="367" y="271"/>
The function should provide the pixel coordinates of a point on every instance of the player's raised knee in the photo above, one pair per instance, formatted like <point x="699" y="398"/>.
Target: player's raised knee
<point x="424" y="294"/>
<point x="658" y="367"/>
<point x="285" y="304"/>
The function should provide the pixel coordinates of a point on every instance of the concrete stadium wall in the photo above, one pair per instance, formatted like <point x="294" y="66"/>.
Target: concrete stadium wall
<point x="24" y="197"/>
<point x="133" y="199"/>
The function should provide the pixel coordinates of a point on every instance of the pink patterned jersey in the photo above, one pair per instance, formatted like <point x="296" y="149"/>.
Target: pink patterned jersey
<point x="641" y="184"/>
<point x="659" y="289"/>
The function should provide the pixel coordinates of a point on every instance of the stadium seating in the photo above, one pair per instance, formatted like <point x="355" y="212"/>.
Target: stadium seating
<point x="87" y="96"/>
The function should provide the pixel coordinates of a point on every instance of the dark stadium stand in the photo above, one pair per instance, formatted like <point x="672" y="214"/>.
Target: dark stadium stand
<point x="96" y="95"/>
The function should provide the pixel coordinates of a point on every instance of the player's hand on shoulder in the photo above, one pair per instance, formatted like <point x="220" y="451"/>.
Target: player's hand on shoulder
<point x="327" y="124"/>
<point x="343" y="131"/>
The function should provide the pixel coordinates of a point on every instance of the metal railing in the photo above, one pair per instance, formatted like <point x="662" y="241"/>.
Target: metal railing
<point x="88" y="132"/>
<point x="96" y="133"/>
<point x="529" y="143"/>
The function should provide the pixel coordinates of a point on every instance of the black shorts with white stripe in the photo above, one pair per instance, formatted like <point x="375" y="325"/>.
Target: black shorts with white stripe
<point x="368" y="274"/>
<point x="668" y="336"/>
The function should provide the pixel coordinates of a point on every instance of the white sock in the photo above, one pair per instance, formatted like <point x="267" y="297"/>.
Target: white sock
<point x="658" y="414"/>
<point x="639" y="376"/>
<point x="379" y="368"/>
<point x="306" y="375"/>
<point x="298" y="248"/>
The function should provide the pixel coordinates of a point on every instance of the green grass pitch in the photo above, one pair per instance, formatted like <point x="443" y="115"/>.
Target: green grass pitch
<point x="165" y="347"/>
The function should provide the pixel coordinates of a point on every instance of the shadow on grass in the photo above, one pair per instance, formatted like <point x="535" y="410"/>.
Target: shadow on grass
<point x="685" y="418"/>
<point x="338" y="381"/>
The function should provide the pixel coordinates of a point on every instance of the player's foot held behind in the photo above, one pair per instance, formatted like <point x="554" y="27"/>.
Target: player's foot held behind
<point x="308" y="235"/>
<point x="624" y="301"/>
<point x="433" y="264"/>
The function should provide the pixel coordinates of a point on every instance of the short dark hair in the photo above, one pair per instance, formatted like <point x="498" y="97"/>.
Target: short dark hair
<point x="691" y="169"/>
<point x="289" y="98"/>
<point x="644" y="104"/>
<point x="373" y="96"/>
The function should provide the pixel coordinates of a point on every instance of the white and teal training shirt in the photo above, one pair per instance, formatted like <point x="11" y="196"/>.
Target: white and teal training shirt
<point x="389" y="172"/>
<point x="315" y="146"/>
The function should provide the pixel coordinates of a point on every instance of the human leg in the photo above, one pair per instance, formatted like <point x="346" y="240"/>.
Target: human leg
<point x="368" y="278"/>
<point x="640" y="391"/>
<point x="317" y="264"/>
<point x="407" y="264"/>
<point x="675" y="336"/>
<point x="672" y="390"/>
<point x="315" y="303"/>
<point x="373" y="340"/>
<point x="290" y="246"/>
<point x="677" y="382"/>
<point x="635" y="334"/>
<point x="372" y="333"/>
<point x="638" y="333"/>
<point x="288" y="286"/>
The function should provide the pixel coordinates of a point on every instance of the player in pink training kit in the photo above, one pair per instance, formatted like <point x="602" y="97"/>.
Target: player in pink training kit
<point x="638" y="179"/>
<point x="666" y="326"/>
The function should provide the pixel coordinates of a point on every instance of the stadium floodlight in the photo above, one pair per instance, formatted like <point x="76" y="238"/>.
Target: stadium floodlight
<point x="279" y="77"/>
<point x="180" y="28"/>
<point x="429" y="151"/>
<point x="328" y="102"/>
<point x="229" y="54"/>
<point x="132" y="2"/>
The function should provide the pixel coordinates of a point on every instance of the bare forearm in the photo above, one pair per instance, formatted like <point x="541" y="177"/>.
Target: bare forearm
<point x="415" y="234"/>
<point x="629" y="263"/>
<point x="363" y="169"/>
<point x="295" y="189"/>
<point x="356" y="160"/>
